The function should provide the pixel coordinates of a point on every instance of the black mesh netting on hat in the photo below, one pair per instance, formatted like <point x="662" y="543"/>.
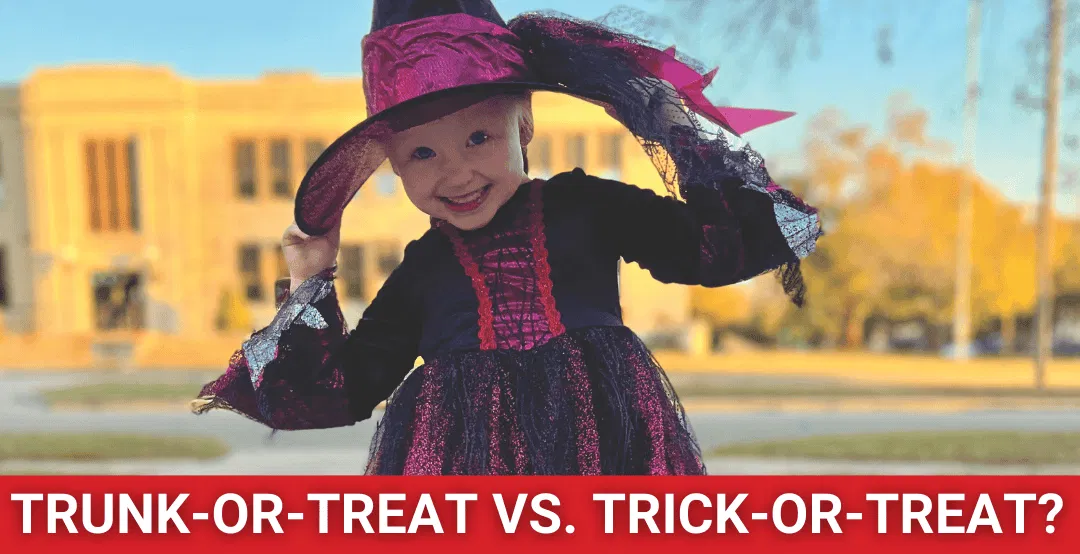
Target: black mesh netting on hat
<point x="594" y="60"/>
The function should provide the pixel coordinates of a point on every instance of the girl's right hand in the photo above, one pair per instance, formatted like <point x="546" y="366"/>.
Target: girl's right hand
<point x="308" y="255"/>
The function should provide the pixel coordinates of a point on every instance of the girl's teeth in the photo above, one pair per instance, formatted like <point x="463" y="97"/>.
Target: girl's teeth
<point x="466" y="199"/>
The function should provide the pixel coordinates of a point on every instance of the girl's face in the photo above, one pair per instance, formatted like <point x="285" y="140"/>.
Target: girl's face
<point x="464" y="166"/>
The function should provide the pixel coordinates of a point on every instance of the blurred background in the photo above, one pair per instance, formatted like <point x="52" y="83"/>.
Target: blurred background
<point x="149" y="155"/>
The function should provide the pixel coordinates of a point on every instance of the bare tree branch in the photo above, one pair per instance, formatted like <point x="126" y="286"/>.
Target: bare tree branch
<point x="1028" y="93"/>
<point x="788" y="29"/>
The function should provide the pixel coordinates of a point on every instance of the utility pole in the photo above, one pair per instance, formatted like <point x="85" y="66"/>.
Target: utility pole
<point x="966" y="216"/>
<point x="1044" y="264"/>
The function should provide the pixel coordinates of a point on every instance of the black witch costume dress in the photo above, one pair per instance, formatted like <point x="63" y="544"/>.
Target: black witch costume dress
<point x="527" y="366"/>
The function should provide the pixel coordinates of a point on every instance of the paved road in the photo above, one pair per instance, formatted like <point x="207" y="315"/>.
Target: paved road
<point x="256" y="450"/>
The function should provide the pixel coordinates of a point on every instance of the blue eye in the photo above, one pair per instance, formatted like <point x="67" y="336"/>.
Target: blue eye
<point x="423" y="153"/>
<point x="478" y="138"/>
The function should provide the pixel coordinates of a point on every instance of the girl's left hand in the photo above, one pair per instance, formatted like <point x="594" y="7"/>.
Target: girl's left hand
<point x="308" y="255"/>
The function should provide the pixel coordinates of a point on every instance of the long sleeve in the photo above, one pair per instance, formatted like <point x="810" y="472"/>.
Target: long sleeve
<point x="733" y="224"/>
<point x="306" y="371"/>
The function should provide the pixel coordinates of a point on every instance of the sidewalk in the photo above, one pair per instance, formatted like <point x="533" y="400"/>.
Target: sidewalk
<point x="786" y="403"/>
<point x="738" y="404"/>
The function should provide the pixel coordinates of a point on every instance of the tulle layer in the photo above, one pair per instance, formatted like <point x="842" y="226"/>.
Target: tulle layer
<point x="592" y="401"/>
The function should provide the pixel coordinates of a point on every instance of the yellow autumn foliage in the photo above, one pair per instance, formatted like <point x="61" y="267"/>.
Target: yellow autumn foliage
<point x="891" y="209"/>
<point x="722" y="306"/>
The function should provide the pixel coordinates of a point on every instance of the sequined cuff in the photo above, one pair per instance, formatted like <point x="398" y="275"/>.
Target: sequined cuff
<point x="283" y="285"/>
<point x="297" y="307"/>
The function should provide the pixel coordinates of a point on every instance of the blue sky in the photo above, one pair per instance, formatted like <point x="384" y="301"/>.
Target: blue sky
<point x="243" y="38"/>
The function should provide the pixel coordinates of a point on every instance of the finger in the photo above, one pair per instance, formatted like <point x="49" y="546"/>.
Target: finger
<point x="293" y="235"/>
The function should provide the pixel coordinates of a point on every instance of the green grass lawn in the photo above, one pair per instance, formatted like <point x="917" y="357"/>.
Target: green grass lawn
<point x="983" y="447"/>
<point x="109" y="394"/>
<point x="85" y="447"/>
<point x="118" y="394"/>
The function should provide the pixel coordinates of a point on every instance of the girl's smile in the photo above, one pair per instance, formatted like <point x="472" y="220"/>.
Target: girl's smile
<point x="467" y="202"/>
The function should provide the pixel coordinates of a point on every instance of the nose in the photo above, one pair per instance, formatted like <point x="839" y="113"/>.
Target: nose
<point x="457" y="175"/>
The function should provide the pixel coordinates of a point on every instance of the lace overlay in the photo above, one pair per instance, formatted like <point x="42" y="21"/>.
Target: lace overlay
<point x="509" y="269"/>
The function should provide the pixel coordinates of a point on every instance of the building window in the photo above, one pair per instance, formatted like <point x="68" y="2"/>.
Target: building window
<point x="119" y="302"/>
<point x="611" y="155"/>
<point x="540" y="155"/>
<point x="280" y="175"/>
<point x="95" y="185"/>
<point x="389" y="258"/>
<point x="133" y="183"/>
<point x="313" y="148"/>
<point x="250" y="262"/>
<point x="4" y="299"/>
<point x="112" y="179"/>
<point x="244" y="156"/>
<point x="612" y="150"/>
<point x="352" y="271"/>
<point x="575" y="150"/>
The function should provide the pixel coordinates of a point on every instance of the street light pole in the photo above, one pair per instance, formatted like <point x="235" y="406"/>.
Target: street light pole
<point x="1043" y="262"/>
<point x="966" y="214"/>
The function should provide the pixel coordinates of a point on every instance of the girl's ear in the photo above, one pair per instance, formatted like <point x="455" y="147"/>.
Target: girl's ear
<point x="525" y="129"/>
<point x="525" y="120"/>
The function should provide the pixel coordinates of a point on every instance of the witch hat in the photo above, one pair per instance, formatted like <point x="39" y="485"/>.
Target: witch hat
<point x="423" y="50"/>
<point x="417" y="50"/>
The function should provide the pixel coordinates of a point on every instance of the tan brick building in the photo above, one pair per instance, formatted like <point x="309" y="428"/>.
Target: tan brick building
<point x="134" y="199"/>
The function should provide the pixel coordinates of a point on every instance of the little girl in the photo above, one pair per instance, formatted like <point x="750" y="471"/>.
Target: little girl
<point x="511" y="298"/>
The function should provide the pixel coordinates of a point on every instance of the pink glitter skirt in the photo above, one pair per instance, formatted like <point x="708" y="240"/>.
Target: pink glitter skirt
<point x="589" y="402"/>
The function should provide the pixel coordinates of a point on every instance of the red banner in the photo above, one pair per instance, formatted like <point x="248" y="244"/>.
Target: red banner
<point x="511" y="514"/>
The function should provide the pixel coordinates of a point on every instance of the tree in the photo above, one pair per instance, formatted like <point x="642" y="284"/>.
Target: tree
<point x="889" y="205"/>
<point x="873" y="251"/>
<point x="1029" y="91"/>
<point x="786" y="29"/>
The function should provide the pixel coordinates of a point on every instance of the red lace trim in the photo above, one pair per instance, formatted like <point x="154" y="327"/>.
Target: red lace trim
<point x="540" y="258"/>
<point x="483" y="295"/>
<point x="540" y="266"/>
